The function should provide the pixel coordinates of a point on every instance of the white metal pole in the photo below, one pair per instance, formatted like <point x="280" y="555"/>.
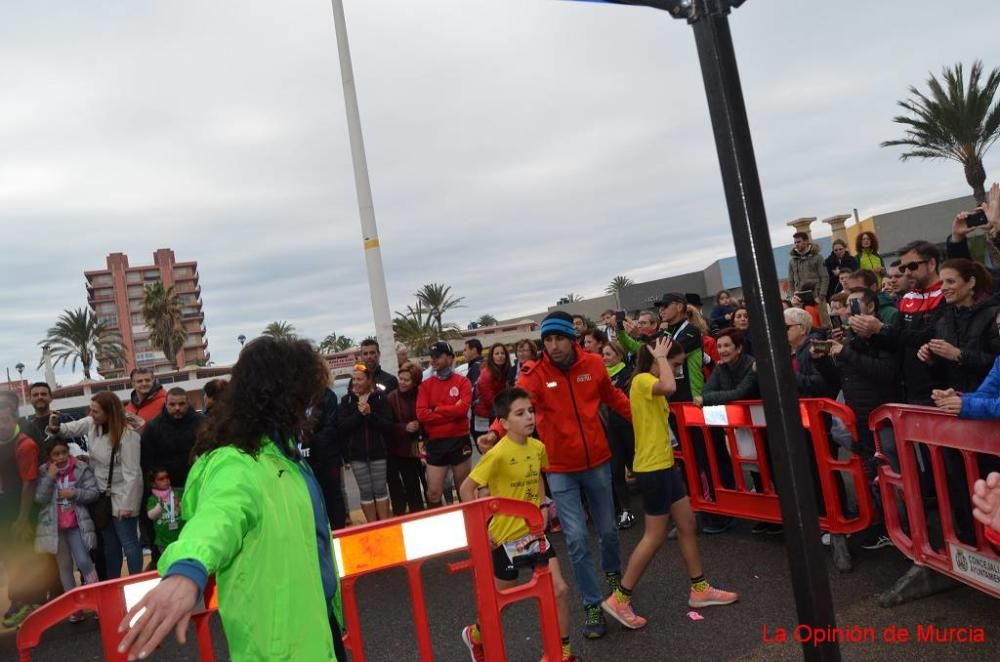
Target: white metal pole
<point x="369" y="231"/>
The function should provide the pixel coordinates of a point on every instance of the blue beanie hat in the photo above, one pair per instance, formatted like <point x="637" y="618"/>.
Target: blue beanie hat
<point x="558" y="322"/>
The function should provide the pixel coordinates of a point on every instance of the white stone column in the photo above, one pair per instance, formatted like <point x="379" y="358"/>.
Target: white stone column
<point x="836" y="224"/>
<point x="802" y="225"/>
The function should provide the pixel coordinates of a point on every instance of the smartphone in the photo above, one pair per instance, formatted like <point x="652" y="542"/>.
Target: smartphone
<point x="976" y="218"/>
<point x="822" y="346"/>
<point x="855" y="306"/>
<point x="619" y="318"/>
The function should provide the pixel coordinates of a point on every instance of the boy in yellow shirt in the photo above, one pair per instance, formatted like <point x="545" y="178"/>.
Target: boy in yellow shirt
<point x="661" y="484"/>
<point x="513" y="469"/>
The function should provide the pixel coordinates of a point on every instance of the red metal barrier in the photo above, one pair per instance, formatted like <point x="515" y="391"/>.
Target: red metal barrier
<point x="411" y="540"/>
<point x="110" y="600"/>
<point x="977" y="566"/>
<point x="743" y="425"/>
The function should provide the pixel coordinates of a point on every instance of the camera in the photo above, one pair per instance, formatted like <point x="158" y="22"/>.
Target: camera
<point x="807" y="297"/>
<point x="976" y="218"/>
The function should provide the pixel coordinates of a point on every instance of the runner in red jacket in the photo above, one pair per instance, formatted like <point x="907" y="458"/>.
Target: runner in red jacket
<point x="567" y="387"/>
<point x="443" y="401"/>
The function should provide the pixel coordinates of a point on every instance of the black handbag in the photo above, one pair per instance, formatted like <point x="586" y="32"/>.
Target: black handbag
<point x="102" y="511"/>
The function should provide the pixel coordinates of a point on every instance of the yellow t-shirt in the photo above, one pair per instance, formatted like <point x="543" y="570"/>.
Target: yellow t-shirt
<point x="512" y="470"/>
<point x="649" y="422"/>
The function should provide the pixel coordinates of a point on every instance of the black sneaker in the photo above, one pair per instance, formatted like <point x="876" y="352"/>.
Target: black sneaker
<point x="626" y="520"/>
<point x="594" y="627"/>
<point x="760" y="527"/>
<point x="775" y="529"/>
<point x="879" y="543"/>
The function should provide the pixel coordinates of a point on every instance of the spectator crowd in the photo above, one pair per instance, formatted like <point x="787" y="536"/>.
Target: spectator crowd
<point x="582" y="412"/>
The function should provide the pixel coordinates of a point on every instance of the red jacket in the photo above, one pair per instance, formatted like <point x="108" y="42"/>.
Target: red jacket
<point x="567" y="405"/>
<point x="443" y="406"/>
<point x="149" y="408"/>
<point x="487" y="389"/>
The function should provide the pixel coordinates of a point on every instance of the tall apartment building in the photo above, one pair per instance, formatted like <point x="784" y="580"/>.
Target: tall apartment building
<point x="115" y="295"/>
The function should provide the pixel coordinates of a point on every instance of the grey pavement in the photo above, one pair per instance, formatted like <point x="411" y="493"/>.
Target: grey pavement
<point x="753" y="565"/>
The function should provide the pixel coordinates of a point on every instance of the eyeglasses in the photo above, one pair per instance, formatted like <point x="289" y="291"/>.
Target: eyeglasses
<point x="912" y="266"/>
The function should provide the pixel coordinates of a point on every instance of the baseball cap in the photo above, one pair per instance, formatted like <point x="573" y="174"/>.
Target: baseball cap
<point x="441" y="347"/>
<point x="693" y="299"/>
<point x="669" y="298"/>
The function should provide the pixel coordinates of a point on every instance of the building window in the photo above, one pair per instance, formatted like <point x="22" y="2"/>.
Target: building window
<point x="150" y="276"/>
<point x="134" y="277"/>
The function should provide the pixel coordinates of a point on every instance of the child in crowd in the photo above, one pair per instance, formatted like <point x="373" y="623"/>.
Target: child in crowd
<point x="164" y="509"/>
<point x="513" y="469"/>
<point x="65" y="486"/>
<point x="661" y="485"/>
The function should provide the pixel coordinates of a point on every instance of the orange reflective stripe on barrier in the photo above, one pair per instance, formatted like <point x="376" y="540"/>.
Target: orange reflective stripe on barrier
<point x="411" y="540"/>
<point x="110" y="600"/>
<point x="919" y="434"/>
<point x="744" y="428"/>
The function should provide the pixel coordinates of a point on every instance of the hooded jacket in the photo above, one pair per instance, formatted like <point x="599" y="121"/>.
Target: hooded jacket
<point x="846" y="263"/>
<point x="47" y="494"/>
<point x="973" y="330"/>
<point x="567" y="410"/>
<point x="808" y="268"/>
<point x="443" y="406"/>
<point x="367" y="437"/>
<point x="149" y="407"/>
<point x="730" y="383"/>
<point x="167" y="442"/>
<point x="250" y="521"/>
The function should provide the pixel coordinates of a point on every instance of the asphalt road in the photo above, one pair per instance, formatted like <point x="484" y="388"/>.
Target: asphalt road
<point x="753" y="565"/>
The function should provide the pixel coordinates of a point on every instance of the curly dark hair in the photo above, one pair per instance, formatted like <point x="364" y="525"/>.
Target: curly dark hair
<point x="272" y="385"/>
<point x="871" y="236"/>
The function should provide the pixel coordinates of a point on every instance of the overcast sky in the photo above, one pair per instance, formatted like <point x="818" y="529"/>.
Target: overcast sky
<point x="519" y="149"/>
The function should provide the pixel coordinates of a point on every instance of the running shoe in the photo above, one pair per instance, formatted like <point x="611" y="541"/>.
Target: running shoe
<point x="476" y="652"/>
<point x="11" y="610"/>
<point x="595" y="626"/>
<point x="15" y="619"/>
<point x="879" y="543"/>
<point x="626" y="520"/>
<point x="622" y="612"/>
<point x="711" y="597"/>
<point x="76" y="617"/>
<point x="717" y="525"/>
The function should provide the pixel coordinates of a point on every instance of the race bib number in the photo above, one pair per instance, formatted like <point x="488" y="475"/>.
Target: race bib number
<point x="525" y="545"/>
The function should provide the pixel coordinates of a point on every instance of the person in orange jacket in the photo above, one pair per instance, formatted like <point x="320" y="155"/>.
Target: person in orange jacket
<point x="147" y="398"/>
<point x="567" y="386"/>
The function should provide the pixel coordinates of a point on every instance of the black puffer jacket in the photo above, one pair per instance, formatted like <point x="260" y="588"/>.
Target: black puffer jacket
<point x="167" y="442"/>
<point x="619" y="428"/>
<point x="869" y="376"/>
<point x="729" y="383"/>
<point x="816" y="378"/>
<point x="367" y="437"/>
<point x="974" y="331"/>
<point x="326" y="449"/>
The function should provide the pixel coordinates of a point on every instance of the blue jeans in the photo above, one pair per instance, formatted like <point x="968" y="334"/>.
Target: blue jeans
<point x="566" y="491"/>
<point x="122" y="534"/>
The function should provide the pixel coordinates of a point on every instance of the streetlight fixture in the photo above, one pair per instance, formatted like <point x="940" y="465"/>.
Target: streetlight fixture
<point x="242" y="338"/>
<point x="793" y="477"/>
<point x="20" y="386"/>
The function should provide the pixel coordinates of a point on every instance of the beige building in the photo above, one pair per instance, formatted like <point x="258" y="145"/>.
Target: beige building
<point x="115" y="295"/>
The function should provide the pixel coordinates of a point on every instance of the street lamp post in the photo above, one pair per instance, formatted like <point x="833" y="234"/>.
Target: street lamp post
<point x="242" y="338"/>
<point x="745" y="202"/>
<point x="363" y="188"/>
<point x="20" y="386"/>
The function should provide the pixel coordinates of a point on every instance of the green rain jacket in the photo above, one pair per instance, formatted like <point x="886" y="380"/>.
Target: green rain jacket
<point x="250" y="523"/>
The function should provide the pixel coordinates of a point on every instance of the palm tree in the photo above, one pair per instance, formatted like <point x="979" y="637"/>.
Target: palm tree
<point x="161" y="311"/>
<point x="279" y="330"/>
<point x="569" y="298"/>
<point x="334" y="343"/>
<point x="954" y="121"/>
<point x="616" y="286"/>
<point x="79" y="336"/>
<point x="436" y="299"/>
<point x="417" y="329"/>
<point x="486" y="320"/>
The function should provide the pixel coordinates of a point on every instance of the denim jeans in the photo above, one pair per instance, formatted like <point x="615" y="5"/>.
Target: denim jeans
<point x="566" y="491"/>
<point x="122" y="534"/>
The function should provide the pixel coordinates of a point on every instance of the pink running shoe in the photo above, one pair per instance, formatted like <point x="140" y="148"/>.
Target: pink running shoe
<point x="711" y="597"/>
<point x="622" y="612"/>
<point x="476" y="652"/>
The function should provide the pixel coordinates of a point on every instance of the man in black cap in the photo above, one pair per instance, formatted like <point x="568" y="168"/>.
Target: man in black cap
<point x="691" y="379"/>
<point x="443" y="402"/>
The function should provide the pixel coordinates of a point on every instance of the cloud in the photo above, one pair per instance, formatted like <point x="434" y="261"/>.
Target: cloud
<point x="518" y="150"/>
